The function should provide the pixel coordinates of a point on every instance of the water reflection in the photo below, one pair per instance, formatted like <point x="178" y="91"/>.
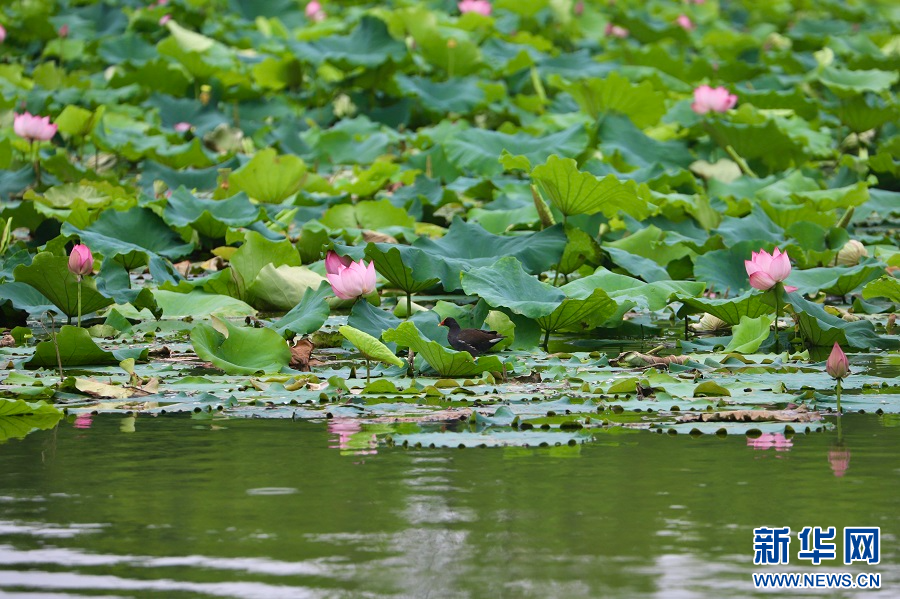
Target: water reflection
<point x="776" y="441"/>
<point x="83" y="421"/>
<point x="839" y="454"/>
<point x="351" y="437"/>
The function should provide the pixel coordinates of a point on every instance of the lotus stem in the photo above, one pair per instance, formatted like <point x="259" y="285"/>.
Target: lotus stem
<point x="368" y="372"/>
<point x="776" y="289"/>
<point x="79" y="301"/>
<point x="547" y="340"/>
<point x="742" y="164"/>
<point x="408" y="305"/>
<point x="837" y="391"/>
<point x="36" y="161"/>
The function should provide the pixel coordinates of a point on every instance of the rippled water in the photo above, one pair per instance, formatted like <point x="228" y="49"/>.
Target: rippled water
<point x="261" y="508"/>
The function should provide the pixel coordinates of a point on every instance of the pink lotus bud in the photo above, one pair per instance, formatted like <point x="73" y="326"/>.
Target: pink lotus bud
<point x="684" y="22"/>
<point x="712" y="99"/>
<point x="765" y="270"/>
<point x="164" y="19"/>
<point x="314" y="11"/>
<point x="33" y="128"/>
<point x="83" y="421"/>
<point x="615" y="31"/>
<point x="352" y="281"/>
<point x="482" y="7"/>
<point x="81" y="261"/>
<point x="2" y="34"/>
<point x="578" y="9"/>
<point x="837" y="365"/>
<point x="182" y="127"/>
<point x="64" y="31"/>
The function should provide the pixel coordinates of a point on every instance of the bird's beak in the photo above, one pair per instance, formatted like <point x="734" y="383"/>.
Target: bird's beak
<point x="441" y="323"/>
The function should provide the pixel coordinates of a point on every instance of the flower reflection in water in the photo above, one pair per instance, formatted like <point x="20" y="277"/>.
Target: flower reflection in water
<point x="776" y="441"/>
<point x="351" y="437"/>
<point x="839" y="459"/>
<point x="83" y="421"/>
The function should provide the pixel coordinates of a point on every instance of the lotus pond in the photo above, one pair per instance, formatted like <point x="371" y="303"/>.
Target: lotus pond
<point x="231" y="230"/>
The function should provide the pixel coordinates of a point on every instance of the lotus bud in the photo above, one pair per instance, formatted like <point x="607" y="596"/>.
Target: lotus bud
<point x="837" y="365"/>
<point x="852" y="252"/>
<point x="81" y="261"/>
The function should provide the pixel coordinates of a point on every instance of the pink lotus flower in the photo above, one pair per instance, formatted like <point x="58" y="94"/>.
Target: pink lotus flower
<point x="81" y="261"/>
<point x="615" y="31"/>
<point x="482" y="7"/>
<point x="182" y="127"/>
<point x="349" y="281"/>
<point x="684" y="22"/>
<point x="2" y="34"/>
<point x="578" y="9"/>
<point x="712" y="99"/>
<point x="839" y="460"/>
<point x="164" y="19"/>
<point x="765" y="270"/>
<point x="33" y="128"/>
<point x="83" y="421"/>
<point x="335" y="263"/>
<point x="63" y="31"/>
<point x="837" y="365"/>
<point x="776" y="441"/>
<point x="314" y="11"/>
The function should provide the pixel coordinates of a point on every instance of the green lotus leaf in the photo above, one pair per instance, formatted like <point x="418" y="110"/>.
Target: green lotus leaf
<point x="750" y="333"/>
<point x="369" y="346"/>
<point x="269" y="177"/>
<point x="50" y="275"/>
<point x="77" y="348"/>
<point x="731" y="310"/>
<point x="576" y="192"/>
<point x="479" y="150"/>
<point x="819" y="328"/>
<point x="369" y="45"/>
<point x="507" y="285"/>
<point x="133" y="237"/>
<point x="308" y="315"/>
<point x="639" y="102"/>
<point x="886" y="286"/>
<point x="240" y="350"/>
<point x="580" y="314"/>
<point x="210" y="218"/>
<point x="446" y="362"/>
<point x="835" y="280"/>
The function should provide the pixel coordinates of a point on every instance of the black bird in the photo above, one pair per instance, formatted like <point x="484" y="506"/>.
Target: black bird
<point x="474" y="341"/>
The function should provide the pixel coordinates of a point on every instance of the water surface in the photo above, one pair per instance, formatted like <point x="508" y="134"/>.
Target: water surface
<point x="274" y="508"/>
